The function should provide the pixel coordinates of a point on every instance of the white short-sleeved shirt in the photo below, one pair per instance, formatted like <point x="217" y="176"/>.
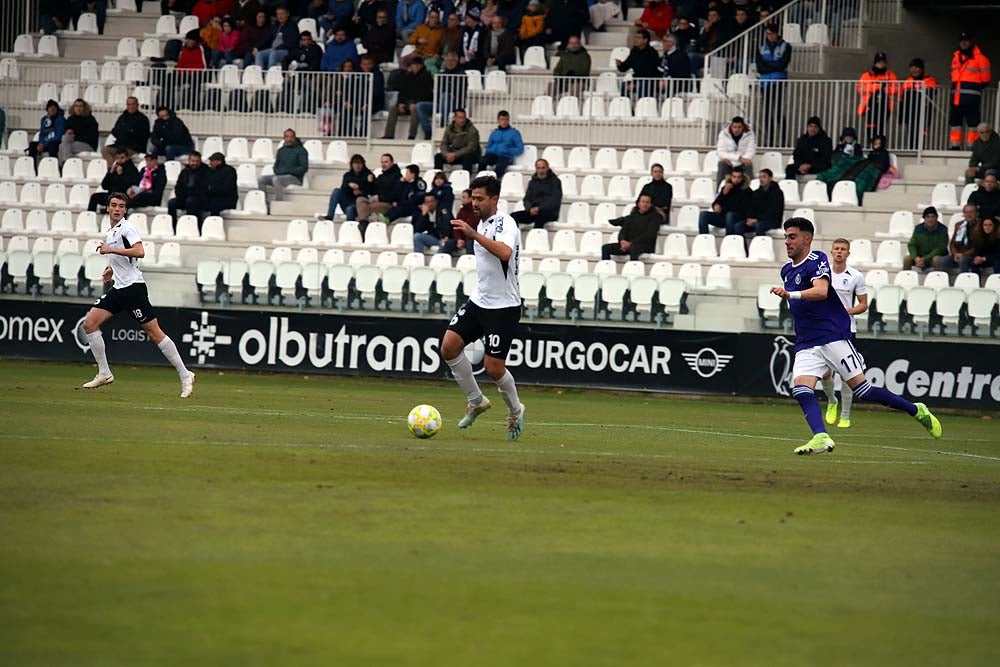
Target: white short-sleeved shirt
<point x="848" y="285"/>
<point x="496" y="285"/>
<point x="126" y="269"/>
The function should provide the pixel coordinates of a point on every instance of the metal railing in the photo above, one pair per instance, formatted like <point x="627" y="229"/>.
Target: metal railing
<point x="811" y="27"/>
<point x="211" y="102"/>
<point x="17" y="17"/>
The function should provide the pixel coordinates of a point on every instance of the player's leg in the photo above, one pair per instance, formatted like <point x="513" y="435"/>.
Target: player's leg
<point x="498" y="326"/>
<point x="846" y="399"/>
<point x="143" y="313"/>
<point x="97" y="316"/>
<point x="809" y="366"/>
<point x="464" y="328"/>
<point x="831" y="397"/>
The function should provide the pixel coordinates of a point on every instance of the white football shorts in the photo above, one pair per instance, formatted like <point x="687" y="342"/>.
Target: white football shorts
<point x="840" y="355"/>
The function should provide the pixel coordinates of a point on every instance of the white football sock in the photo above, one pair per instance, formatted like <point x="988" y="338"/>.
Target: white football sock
<point x="846" y="398"/>
<point x="96" y="341"/>
<point x="509" y="392"/>
<point x="461" y="368"/>
<point x="169" y="350"/>
<point x="828" y="389"/>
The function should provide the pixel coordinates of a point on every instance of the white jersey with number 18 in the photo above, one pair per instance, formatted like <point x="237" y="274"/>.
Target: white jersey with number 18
<point x="848" y="285"/>
<point x="496" y="281"/>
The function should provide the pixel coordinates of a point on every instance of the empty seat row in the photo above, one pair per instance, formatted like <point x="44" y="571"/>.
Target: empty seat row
<point x="24" y="47"/>
<point x="324" y="233"/>
<point x="111" y="98"/>
<point x="936" y="280"/>
<point x="55" y="195"/>
<point x="944" y="196"/>
<point x="925" y="308"/>
<point x="23" y="169"/>
<point x="570" y="110"/>
<point x="111" y="72"/>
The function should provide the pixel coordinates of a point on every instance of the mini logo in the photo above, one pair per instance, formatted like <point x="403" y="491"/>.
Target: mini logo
<point x="706" y="362"/>
<point x="798" y="278"/>
<point x="203" y="339"/>
<point x="781" y="366"/>
<point x="476" y="353"/>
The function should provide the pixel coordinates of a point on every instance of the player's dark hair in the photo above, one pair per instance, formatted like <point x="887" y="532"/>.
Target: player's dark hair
<point x="488" y="183"/>
<point x="842" y="240"/>
<point x="802" y="224"/>
<point x="118" y="195"/>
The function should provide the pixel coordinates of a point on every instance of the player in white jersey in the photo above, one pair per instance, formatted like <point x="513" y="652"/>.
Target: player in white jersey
<point x="123" y="246"/>
<point x="493" y="310"/>
<point x="853" y="293"/>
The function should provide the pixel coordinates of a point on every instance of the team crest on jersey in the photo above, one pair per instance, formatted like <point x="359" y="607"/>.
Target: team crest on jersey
<point x="798" y="278"/>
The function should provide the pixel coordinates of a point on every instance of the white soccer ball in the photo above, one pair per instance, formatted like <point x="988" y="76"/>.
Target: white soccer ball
<point x="424" y="421"/>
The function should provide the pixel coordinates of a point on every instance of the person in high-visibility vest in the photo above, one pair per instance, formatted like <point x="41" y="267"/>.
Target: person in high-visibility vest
<point x="914" y="94"/>
<point x="970" y="72"/>
<point x="878" y="89"/>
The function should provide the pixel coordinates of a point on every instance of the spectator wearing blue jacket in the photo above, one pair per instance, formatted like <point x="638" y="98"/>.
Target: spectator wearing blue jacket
<point x="50" y="132"/>
<point x="338" y="50"/>
<point x="503" y="146"/>
<point x="336" y="13"/>
<point x="773" y="58"/>
<point x="409" y="14"/>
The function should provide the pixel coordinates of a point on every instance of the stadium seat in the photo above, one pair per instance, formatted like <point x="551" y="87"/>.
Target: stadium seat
<point x="980" y="306"/>
<point x="967" y="281"/>
<point x="942" y="196"/>
<point x="861" y="253"/>
<point x="12" y="221"/>
<point x="733" y="248"/>
<point x="162" y="227"/>
<point x="206" y="277"/>
<point x="719" y="276"/>
<point x="359" y="258"/>
<point x="62" y="224"/>
<point x="688" y="162"/>
<point x="875" y="279"/>
<point x="703" y="248"/>
<point x="687" y="218"/>
<point x="948" y="306"/>
<point x="212" y="229"/>
<point x="919" y="301"/>
<point x="900" y="226"/>
<point x="690" y="273"/>
<point x="296" y="233"/>
<point x="768" y="305"/>
<point x="387" y="258"/>
<point x="936" y="280"/>
<point x="906" y="279"/>
<point x="790" y="188"/>
<point x="531" y="284"/>
<point x="568" y="109"/>
<point x="255" y="203"/>
<point x="187" y="229"/>
<point x="280" y="254"/>
<point x="613" y="290"/>
<point x="844" y="194"/>
<point x="675" y="246"/>
<point x="815" y="192"/>
<point x="890" y="255"/>
<point x="817" y="34"/>
<point x="541" y="109"/>
<point x="169" y="255"/>
<point x="761" y="250"/>
<point x="554" y="155"/>
<point x="792" y="33"/>
<point x="36" y="222"/>
<point x="336" y="152"/>
<point x="888" y="305"/>
<point x="633" y="268"/>
<point x="702" y="190"/>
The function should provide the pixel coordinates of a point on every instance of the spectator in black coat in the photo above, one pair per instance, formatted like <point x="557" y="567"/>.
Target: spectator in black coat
<point x="148" y="189"/>
<point x="81" y="135"/>
<point x="223" y="192"/>
<point x="813" y="151"/>
<point x="279" y="38"/>
<point x="170" y="136"/>
<point x="306" y="55"/>
<point x="385" y="192"/>
<point x="660" y="191"/>
<point x="638" y="233"/>
<point x="474" y="42"/>
<point x="415" y="86"/>
<point x="191" y="189"/>
<point x="987" y="197"/>
<point x="121" y="175"/>
<point x="767" y="208"/>
<point x="675" y="68"/>
<point x="380" y="39"/>
<point x="411" y="195"/>
<point x="131" y="132"/>
<point x="565" y="19"/>
<point x="730" y="206"/>
<point x="644" y="62"/>
<point x="368" y="64"/>
<point x="543" y="198"/>
<point x="358" y="181"/>
<point x="501" y="46"/>
<point x="432" y="226"/>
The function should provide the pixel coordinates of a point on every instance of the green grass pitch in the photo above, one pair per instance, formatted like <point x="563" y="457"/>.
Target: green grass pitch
<point x="293" y="521"/>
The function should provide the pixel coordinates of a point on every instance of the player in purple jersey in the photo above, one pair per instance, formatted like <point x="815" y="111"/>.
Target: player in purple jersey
<point x="823" y="338"/>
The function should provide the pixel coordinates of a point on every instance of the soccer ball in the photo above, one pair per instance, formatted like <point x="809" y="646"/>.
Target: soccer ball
<point x="424" y="421"/>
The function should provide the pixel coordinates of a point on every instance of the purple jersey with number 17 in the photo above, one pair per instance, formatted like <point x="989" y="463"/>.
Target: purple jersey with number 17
<point x="816" y="322"/>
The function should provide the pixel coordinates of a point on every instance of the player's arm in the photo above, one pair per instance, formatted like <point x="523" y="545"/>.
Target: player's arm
<point x="135" y="251"/>
<point x="818" y="291"/>
<point x="498" y="249"/>
<point x="860" y="307"/>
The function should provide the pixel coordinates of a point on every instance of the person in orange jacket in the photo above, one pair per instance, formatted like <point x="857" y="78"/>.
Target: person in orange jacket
<point x="878" y="89"/>
<point x="914" y="94"/>
<point x="970" y="72"/>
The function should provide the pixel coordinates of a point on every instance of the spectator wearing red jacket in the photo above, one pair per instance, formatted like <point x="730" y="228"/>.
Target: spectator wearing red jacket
<point x="656" y="17"/>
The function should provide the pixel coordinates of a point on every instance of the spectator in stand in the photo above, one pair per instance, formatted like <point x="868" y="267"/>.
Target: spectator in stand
<point x="928" y="242"/>
<point x="338" y="49"/>
<point x="638" y="232"/>
<point x="415" y="86"/>
<point x="773" y="58"/>
<point x="192" y="56"/>
<point x="460" y="144"/>
<point x="487" y="11"/>
<point x="53" y="15"/>
<point x="206" y="10"/>
<point x="474" y="42"/>
<point x="970" y="73"/>
<point x="426" y="42"/>
<point x="131" y="131"/>
<point x="813" y="151"/>
<point x="290" y="166"/>
<point x="915" y="93"/>
<point x="660" y="192"/>
<point x="565" y="19"/>
<point x="503" y="145"/>
<point x="574" y="61"/>
<point x="986" y="246"/>
<point x="251" y="33"/>
<point x="176" y="6"/>
<point x="380" y="40"/>
<point x="358" y="181"/>
<point x="985" y="153"/>
<point x="987" y="197"/>
<point x="767" y="208"/>
<point x="365" y="16"/>
<point x="81" y="134"/>
<point x="223" y="191"/>
<point x="432" y="226"/>
<point x="686" y="34"/>
<point x="411" y="195"/>
<point x="657" y="16"/>
<point x="850" y="164"/>
<point x="714" y="33"/>
<point x="741" y="21"/>
<point x="644" y="62"/>
<point x="465" y="212"/>
<point x="441" y="188"/>
<point x="307" y="56"/>
<point x="409" y="14"/>
<point x="97" y="7"/>
<point x="731" y="206"/>
<point x="50" y="133"/>
<point x="278" y="38"/>
<point x="332" y="14"/>
<point x="378" y="84"/>
<point x="675" y="68"/>
<point x="385" y="192"/>
<point x="170" y="136"/>
<point x="878" y="89"/>
<point x="227" y="51"/>
<point x="501" y="47"/>
<point x="532" y="30"/>
<point x="451" y="36"/>
<point x="121" y="175"/>
<point x="211" y="32"/>
<point x="245" y="10"/>
<point x="542" y="199"/>
<point x="451" y="94"/>
<point x="191" y="189"/>
<point x="736" y="146"/>
<point x="148" y="190"/>
<point x="961" y="247"/>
